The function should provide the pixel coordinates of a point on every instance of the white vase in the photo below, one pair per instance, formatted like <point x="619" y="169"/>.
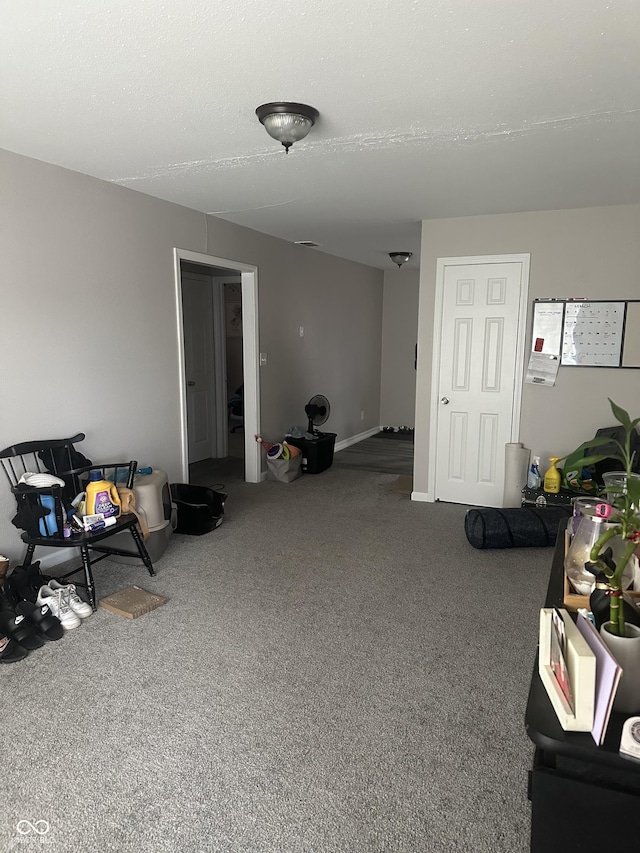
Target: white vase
<point x="626" y="650"/>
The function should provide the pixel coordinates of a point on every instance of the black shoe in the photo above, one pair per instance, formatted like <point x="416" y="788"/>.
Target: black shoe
<point x="8" y="600"/>
<point x="24" y="582"/>
<point x="36" y="578"/>
<point x="42" y="619"/>
<point x="11" y="651"/>
<point x="17" y="585"/>
<point x="17" y="627"/>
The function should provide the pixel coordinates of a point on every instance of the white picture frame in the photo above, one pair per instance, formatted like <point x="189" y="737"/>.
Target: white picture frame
<point x="580" y="666"/>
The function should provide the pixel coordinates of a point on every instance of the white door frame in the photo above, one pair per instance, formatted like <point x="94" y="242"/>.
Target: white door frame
<point x="441" y="267"/>
<point x="250" y="347"/>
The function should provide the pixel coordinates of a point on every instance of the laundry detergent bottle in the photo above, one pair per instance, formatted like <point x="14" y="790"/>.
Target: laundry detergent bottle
<point x="102" y="497"/>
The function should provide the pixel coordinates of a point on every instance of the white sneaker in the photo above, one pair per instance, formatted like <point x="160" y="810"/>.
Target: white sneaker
<point x="75" y="602"/>
<point x="59" y="606"/>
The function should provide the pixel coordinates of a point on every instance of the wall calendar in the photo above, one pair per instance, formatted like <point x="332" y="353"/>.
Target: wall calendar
<point x="586" y="332"/>
<point x="592" y="334"/>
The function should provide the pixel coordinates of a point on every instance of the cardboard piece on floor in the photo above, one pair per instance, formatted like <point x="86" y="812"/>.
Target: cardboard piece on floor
<point x="403" y="485"/>
<point x="132" y="602"/>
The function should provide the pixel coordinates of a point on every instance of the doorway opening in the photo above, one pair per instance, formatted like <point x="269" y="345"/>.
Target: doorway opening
<point x="216" y="307"/>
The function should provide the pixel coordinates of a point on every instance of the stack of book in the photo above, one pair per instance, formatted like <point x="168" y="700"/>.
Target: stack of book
<point x="578" y="671"/>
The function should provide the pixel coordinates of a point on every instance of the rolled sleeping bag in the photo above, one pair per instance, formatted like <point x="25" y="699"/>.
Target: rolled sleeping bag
<point x="522" y="527"/>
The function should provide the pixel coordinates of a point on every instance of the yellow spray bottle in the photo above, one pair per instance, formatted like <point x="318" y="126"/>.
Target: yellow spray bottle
<point x="552" y="478"/>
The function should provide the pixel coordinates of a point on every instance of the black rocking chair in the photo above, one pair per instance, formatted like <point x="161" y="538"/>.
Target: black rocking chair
<point x="43" y="510"/>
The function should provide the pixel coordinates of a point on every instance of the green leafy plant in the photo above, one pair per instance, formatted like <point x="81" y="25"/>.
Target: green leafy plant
<point x="624" y="519"/>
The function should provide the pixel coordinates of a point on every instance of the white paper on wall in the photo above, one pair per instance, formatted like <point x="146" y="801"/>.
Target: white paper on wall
<point x="542" y="369"/>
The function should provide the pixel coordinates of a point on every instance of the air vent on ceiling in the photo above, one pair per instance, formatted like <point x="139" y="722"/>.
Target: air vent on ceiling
<point x="308" y="243"/>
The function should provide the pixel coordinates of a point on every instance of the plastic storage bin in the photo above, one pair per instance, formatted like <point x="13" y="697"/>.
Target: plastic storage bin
<point x="200" y="509"/>
<point x="317" y="453"/>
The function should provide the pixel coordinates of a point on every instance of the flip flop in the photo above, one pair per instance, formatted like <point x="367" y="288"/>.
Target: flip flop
<point x="42" y="619"/>
<point x="10" y="651"/>
<point x="16" y="627"/>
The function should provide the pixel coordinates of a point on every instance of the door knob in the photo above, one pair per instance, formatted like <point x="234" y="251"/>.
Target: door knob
<point x="444" y="400"/>
<point x="191" y="383"/>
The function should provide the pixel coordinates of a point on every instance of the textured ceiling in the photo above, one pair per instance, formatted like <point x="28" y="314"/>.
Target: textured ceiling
<point x="428" y="109"/>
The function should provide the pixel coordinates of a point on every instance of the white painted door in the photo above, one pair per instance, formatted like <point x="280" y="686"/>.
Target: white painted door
<point x="479" y="379"/>
<point x="197" y="310"/>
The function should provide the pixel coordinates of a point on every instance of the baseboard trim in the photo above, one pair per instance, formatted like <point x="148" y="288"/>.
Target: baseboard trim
<point x="347" y="442"/>
<point x="421" y="496"/>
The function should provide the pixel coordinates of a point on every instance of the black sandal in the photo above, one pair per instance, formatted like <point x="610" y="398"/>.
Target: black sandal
<point x="16" y="627"/>
<point x="42" y="619"/>
<point x="10" y="651"/>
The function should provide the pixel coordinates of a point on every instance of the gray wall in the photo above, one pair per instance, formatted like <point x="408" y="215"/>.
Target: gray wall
<point x="339" y="304"/>
<point x="592" y="252"/>
<point x="399" y="336"/>
<point x="89" y="334"/>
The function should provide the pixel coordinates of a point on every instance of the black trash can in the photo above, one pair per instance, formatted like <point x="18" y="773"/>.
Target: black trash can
<point x="199" y="508"/>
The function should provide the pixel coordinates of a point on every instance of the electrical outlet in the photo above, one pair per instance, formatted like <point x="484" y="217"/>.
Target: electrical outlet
<point x="263" y="359"/>
<point x="361" y="416"/>
<point x="302" y="331"/>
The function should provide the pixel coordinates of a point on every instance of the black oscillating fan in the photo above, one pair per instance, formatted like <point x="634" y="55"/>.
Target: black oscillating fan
<point x="317" y="410"/>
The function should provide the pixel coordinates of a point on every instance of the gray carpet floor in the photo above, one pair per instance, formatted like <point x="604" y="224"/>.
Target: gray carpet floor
<point x="335" y="670"/>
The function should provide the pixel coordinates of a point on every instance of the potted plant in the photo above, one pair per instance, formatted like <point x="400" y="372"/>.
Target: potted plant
<point x="624" y="521"/>
<point x="623" y="532"/>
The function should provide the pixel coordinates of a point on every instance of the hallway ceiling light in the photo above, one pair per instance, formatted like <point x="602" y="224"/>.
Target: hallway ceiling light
<point x="287" y="122"/>
<point x="400" y="257"/>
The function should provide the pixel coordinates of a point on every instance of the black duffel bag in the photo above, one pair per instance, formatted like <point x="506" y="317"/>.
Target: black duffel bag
<point x="519" y="527"/>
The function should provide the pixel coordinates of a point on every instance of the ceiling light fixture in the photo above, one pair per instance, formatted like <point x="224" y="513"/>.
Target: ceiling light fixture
<point x="287" y="122"/>
<point x="400" y="257"/>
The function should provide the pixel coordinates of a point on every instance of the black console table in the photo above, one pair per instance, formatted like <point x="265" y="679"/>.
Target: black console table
<point x="583" y="797"/>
